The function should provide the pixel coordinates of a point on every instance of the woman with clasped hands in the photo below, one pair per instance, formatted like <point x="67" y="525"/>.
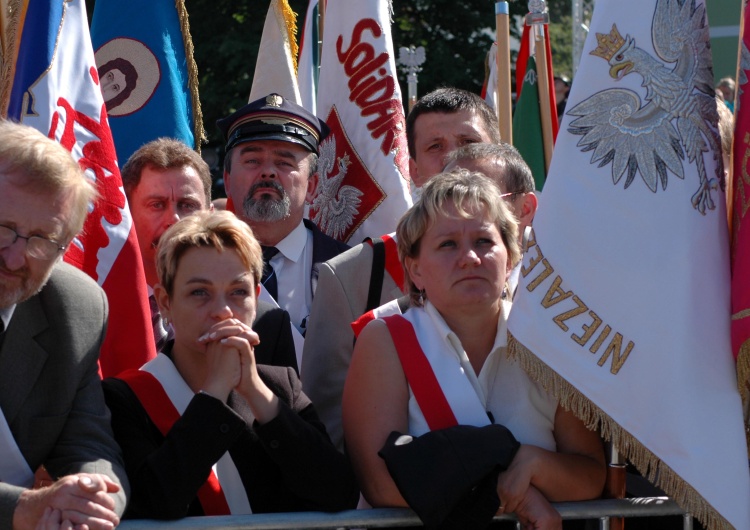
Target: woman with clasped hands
<point x="203" y="428"/>
<point x="457" y="245"/>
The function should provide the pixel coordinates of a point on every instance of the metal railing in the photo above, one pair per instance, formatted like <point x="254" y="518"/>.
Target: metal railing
<point x="392" y="517"/>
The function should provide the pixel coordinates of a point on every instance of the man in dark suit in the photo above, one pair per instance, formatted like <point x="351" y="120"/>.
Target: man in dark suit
<point x="53" y="320"/>
<point x="270" y="171"/>
<point x="165" y="180"/>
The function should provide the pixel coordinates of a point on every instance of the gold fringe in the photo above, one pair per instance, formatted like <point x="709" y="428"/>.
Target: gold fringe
<point x="198" y="131"/>
<point x="290" y="21"/>
<point x="10" y="34"/>
<point x="656" y="471"/>
<point x="743" y="384"/>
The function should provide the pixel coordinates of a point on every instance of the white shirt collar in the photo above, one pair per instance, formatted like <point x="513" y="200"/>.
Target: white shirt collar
<point x="501" y="336"/>
<point x="294" y="243"/>
<point x="6" y="314"/>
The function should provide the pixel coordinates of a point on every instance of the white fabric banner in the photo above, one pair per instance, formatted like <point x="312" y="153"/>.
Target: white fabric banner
<point x="363" y="182"/>
<point x="307" y="62"/>
<point x="274" y="67"/>
<point x="624" y="289"/>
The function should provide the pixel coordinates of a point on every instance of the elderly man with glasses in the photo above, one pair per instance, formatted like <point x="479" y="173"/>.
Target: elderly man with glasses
<point x="52" y="322"/>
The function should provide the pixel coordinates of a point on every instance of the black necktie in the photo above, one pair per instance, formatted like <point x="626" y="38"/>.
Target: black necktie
<point x="269" y="275"/>
<point x="160" y="334"/>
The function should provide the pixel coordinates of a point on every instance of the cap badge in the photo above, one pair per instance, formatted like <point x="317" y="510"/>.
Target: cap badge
<point x="274" y="100"/>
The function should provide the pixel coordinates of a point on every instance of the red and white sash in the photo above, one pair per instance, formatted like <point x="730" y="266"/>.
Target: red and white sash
<point x="165" y="396"/>
<point x="441" y="405"/>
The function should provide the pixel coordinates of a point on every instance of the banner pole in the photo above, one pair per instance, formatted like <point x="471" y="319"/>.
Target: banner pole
<point x="545" y="112"/>
<point x="538" y="19"/>
<point x="504" y="100"/>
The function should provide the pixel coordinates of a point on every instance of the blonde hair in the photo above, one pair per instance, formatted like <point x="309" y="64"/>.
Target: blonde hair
<point x="726" y="126"/>
<point x="48" y="167"/>
<point x="472" y="194"/>
<point x="219" y="230"/>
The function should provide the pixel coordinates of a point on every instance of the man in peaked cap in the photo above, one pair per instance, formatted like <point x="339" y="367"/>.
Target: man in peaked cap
<point x="270" y="171"/>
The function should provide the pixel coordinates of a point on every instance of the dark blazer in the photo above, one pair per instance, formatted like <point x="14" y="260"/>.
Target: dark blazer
<point x="273" y="327"/>
<point x="324" y="248"/>
<point x="50" y="391"/>
<point x="287" y="464"/>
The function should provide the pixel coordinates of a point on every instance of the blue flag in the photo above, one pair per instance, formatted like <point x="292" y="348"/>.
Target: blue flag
<point x="148" y="82"/>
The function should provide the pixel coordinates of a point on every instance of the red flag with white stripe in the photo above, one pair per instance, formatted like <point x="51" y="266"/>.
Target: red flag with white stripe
<point x="56" y="90"/>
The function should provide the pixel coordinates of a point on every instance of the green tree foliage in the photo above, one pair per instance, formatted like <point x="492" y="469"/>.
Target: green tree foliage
<point x="456" y="40"/>
<point x="456" y="35"/>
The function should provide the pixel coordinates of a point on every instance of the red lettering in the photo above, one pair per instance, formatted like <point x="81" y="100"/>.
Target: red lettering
<point x="359" y="28"/>
<point x="366" y="69"/>
<point x="98" y="157"/>
<point x="372" y="90"/>
<point x="377" y="92"/>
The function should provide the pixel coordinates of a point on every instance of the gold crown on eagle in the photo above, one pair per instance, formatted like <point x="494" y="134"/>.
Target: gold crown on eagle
<point x="609" y="43"/>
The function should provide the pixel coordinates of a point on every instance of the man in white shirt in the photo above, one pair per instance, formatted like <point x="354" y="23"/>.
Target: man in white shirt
<point x="270" y="172"/>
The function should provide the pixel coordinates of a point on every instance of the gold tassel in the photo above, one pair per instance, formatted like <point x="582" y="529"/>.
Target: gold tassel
<point x="10" y="20"/>
<point x="656" y="471"/>
<point x="198" y="130"/>
<point x="290" y="20"/>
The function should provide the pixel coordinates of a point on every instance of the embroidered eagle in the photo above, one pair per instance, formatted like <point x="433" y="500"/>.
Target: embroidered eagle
<point x="335" y="205"/>
<point x="654" y="138"/>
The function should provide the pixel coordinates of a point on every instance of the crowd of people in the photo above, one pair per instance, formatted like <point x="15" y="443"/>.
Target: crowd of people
<point x="294" y="373"/>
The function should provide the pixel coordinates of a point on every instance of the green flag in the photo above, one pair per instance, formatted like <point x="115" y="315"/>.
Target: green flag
<point x="527" y="125"/>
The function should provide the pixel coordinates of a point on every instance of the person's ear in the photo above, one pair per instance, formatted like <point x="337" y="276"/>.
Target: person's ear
<point x="162" y="300"/>
<point x="414" y="272"/>
<point x="227" y="185"/>
<point x="413" y="173"/>
<point x="312" y="185"/>
<point x="528" y="208"/>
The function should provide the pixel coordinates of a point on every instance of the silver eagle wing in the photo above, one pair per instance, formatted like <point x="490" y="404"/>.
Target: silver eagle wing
<point x="633" y="139"/>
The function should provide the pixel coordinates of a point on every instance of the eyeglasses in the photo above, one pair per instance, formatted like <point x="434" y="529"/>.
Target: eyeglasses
<point x="37" y="247"/>
<point x="511" y="194"/>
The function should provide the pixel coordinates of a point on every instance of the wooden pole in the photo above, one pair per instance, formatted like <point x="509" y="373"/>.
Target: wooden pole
<point x="615" y="486"/>
<point x="321" y="21"/>
<point x="543" y="86"/>
<point x="504" y="101"/>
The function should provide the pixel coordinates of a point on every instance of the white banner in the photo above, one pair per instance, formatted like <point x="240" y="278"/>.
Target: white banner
<point x="624" y="290"/>
<point x="363" y="182"/>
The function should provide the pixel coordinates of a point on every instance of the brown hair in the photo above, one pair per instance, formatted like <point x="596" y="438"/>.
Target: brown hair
<point x="162" y="154"/>
<point x="470" y="193"/>
<point x="219" y="230"/>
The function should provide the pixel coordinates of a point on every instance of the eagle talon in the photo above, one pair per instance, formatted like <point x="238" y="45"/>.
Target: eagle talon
<point x="702" y="199"/>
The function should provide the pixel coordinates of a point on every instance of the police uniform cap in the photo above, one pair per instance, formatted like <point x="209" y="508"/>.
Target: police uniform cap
<point x="273" y="118"/>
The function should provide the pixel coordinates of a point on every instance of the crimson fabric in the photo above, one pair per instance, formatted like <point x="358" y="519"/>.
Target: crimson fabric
<point x="163" y="413"/>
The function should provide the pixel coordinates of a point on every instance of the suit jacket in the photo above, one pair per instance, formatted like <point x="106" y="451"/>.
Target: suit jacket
<point x="343" y="286"/>
<point x="287" y="464"/>
<point x="324" y="248"/>
<point x="50" y="391"/>
<point x="274" y="330"/>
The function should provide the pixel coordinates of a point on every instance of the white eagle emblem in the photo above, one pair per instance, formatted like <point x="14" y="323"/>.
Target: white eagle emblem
<point x="335" y="205"/>
<point x="680" y="107"/>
